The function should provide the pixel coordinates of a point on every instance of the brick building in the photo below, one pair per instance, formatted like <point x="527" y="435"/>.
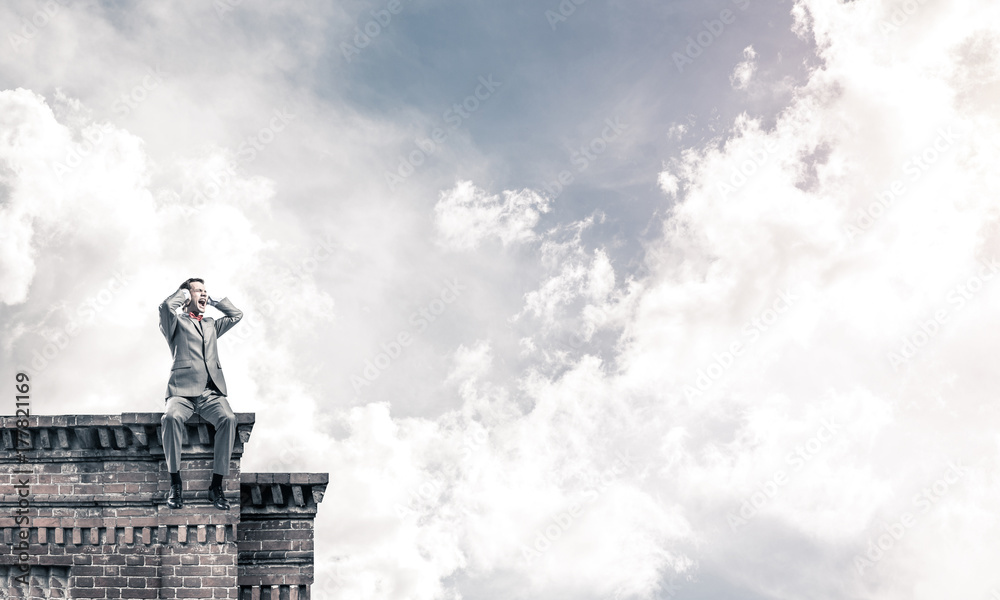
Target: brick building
<point x="93" y="489"/>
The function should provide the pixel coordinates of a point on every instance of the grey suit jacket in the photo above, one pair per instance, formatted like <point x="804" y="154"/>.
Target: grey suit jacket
<point x="193" y="345"/>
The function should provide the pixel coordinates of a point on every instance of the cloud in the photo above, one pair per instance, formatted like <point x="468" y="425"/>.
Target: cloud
<point x="745" y="70"/>
<point x="754" y="376"/>
<point x="865" y="204"/>
<point x="668" y="183"/>
<point x="466" y="216"/>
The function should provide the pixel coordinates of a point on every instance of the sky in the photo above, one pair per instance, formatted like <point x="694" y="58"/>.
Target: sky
<point x="589" y="300"/>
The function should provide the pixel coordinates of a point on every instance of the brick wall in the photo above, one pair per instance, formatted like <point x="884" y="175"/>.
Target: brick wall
<point x="275" y="537"/>
<point x="99" y="527"/>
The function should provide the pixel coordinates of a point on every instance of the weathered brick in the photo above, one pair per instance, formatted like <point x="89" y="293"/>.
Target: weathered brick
<point x="145" y="550"/>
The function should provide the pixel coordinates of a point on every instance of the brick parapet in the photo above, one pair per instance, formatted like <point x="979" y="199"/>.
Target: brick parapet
<point x="276" y="535"/>
<point x="100" y="529"/>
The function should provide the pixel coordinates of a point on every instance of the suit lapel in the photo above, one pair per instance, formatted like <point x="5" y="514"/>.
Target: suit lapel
<point x="197" y="326"/>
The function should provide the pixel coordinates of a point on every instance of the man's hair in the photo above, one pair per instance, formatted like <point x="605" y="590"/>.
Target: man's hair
<point x="187" y="284"/>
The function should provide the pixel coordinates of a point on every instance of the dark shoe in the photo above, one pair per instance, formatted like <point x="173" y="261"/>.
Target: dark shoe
<point x="217" y="497"/>
<point x="174" y="497"/>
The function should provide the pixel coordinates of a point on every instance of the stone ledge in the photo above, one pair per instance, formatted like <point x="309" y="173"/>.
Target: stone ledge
<point x="272" y="494"/>
<point x="144" y="418"/>
<point x="286" y="478"/>
<point x="129" y="435"/>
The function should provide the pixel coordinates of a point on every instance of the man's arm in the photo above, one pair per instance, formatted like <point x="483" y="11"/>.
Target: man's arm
<point x="233" y="315"/>
<point x="168" y="312"/>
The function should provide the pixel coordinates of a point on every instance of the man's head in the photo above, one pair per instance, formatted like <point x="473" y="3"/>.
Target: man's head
<point x="199" y="295"/>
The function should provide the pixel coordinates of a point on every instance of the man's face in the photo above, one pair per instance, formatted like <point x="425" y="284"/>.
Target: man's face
<point x="199" y="297"/>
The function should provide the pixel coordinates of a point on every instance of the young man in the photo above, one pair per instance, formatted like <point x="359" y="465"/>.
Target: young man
<point x="196" y="385"/>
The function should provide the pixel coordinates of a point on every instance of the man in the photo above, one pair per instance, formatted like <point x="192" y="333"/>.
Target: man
<point x="196" y="385"/>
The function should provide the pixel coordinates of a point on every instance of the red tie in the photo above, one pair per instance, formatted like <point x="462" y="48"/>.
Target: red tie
<point x="194" y="316"/>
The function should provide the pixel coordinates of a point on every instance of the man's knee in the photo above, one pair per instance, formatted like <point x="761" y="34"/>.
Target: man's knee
<point x="228" y="420"/>
<point x="174" y="414"/>
<point x="172" y="417"/>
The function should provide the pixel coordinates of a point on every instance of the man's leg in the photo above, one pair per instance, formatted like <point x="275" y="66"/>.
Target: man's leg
<point x="215" y="409"/>
<point x="178" y="410"/>
<point x="175" y="415"/>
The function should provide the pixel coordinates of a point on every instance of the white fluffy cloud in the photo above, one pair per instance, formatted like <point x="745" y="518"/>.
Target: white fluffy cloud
<point x="837" y="266"/>
<point x="807" y="363"/>
<point x="466" y="216"/>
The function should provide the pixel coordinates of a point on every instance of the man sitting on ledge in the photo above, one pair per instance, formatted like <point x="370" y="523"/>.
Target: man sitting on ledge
<point x="196" y="384"/>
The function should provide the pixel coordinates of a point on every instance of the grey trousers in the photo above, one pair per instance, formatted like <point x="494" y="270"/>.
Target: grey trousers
<point x="211" y="406"/>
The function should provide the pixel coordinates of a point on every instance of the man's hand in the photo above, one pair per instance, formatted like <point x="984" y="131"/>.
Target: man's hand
<point x="212" y="301"/>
